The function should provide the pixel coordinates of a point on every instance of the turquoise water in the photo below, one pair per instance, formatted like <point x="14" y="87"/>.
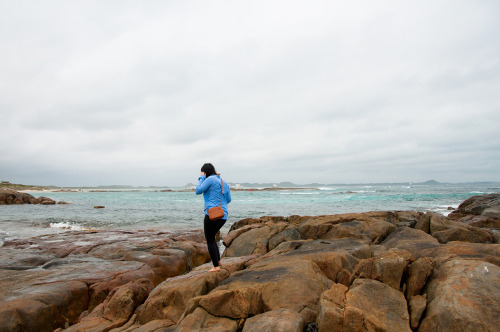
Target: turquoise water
<point x="184" y="210"/>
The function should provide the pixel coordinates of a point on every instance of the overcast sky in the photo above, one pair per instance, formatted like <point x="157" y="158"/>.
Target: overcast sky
<point x="145" y="92"/>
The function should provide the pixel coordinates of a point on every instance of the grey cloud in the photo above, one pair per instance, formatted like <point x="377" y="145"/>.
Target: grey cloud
<point x="317" y="92"/>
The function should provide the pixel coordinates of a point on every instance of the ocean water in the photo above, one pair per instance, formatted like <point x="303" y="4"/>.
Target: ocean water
<point x="146" y="209"/>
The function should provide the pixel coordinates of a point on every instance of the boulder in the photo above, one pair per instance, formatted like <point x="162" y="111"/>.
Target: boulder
<point x="275" y="321"/>
<point x="239" y="303"/>
<point x="116" y="309"/>
<point x="465" y="250"/>
<point x="412" y="240"/>
<point x="463" y="295"/>
<point x="446" y="230"/>
<point x="45" y="307"/>
<point x="481" y="205"/>
<point x="370" y="230"/>
<point x="418" y="273"/>
<point x="82" y="279"/>
<point x="387" y="268"/>
<point x="294" y="283"/>
<point x="201" y="320"/>
<point x="170" y="298"/>
<point x="290" y="233"/>
<point x="165" y="263"/>
<point x="368" y="305"/>
<point x="254" y="241"/>
<point x="407" y="218"/>
<point x="416" y="305"/>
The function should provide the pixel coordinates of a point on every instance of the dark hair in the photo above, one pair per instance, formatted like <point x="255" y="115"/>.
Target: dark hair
<point x="209" y="169"/>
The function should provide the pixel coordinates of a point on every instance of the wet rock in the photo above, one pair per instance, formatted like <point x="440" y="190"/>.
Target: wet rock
<point x="54" y="279"/>
<point x="45" y="307"/>
<point x="166" y="263"/>
<point x="463" y="295"/>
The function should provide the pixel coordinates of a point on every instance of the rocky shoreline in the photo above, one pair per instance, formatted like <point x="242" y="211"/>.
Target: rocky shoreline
<point x="374" y="271"/>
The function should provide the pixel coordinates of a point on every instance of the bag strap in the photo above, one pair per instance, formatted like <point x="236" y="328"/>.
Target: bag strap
<point x="221" y="186"/>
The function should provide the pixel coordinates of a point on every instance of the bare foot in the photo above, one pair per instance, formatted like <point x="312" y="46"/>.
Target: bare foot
<point x="215" y="269"/>
<point x="220" y="263"/>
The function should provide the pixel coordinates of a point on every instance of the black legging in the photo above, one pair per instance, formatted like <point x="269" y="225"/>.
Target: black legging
<point x="211" y="228"/>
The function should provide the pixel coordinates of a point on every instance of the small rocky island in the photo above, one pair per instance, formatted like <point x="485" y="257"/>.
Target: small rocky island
<point x="11" y="196"/>
<point x="374" y="271"/>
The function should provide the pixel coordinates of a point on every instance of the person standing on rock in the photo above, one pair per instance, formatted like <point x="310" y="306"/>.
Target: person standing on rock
<point x="210" y="184"/>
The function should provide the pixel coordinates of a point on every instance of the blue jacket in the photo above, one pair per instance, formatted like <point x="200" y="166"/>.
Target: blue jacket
<point x="210" y="188"/>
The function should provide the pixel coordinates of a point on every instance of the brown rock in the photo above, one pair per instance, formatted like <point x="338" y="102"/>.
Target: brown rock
<point x="417" y="307"/>
<point x="413" y="240"/>
<point x="407" y="218"/>
<point x="335" y="259"/>
<point x="234" y="304"/>
<point x="117" y="308"/>
<point x="251" y="242"/>
<point x="25" y="315"/>
<point x="371" y="230"/>
<point x="418" y="273"/>
<point x="45" y="308"/>
<point x="368" y="305"/>
<point x="46" y="201"/>
<point x="233" y="234"/>
<point x="9" y="196"/>
<point x="331" y="309"/>
<point x="291" y="233"/>
<point x="168" y="262"/>
<point x="446" y="230"/>
<point x="170" y="298"/>
<point x="476" y="251"/>
<point x="481" y="205"/>
<point x="160" y="325"/>
<point x="424" y="222"/>
<point x="481" y="222"/>
<point x="382" y="307"/>
<point x="275" y="321"/>
<point x="195" y="249"/>
<point x="201" y="320"/>
<point x="463" y="295"/>
<point x="294" y="283"/>
<point x="387" y="268"/>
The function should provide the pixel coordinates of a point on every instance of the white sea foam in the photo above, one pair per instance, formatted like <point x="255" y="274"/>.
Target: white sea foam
<point x="299" y="193"/>
<point x="65" y="225"/>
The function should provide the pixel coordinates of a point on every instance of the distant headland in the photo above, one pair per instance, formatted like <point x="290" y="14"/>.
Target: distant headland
<point x="242" y="186"/>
